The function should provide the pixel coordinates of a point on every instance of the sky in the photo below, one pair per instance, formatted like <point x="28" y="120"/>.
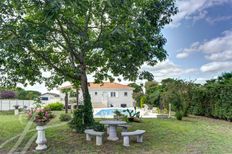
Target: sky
<point x="199" y="43"/>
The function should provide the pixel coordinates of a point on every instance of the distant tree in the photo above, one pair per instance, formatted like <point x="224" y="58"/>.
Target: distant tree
<point x="137" y="93"/>
<point x="7" y="95"/>
<point x="27" y="94"/>
<point x="153" y="90"/>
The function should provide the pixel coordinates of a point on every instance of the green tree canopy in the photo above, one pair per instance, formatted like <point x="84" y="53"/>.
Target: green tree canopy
<point x="73" y="38"/>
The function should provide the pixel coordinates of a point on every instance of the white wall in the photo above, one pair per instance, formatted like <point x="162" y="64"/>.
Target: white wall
<point x="6" y="105"/>
<point x="103" y="96"/>
<point x="51" y="99"/>
<point x="103" y="99"/>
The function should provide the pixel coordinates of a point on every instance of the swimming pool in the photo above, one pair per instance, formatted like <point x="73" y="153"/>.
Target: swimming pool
<point x="109" y="112"/>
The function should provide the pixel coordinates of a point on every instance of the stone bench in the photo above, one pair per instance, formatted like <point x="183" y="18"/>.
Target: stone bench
<point x="90" y="132"/>
<point x="126" y="137"/>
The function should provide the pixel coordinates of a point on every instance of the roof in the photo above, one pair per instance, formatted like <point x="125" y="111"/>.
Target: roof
<point x="108" y="85"/>
<point x="104" y="85"/>
<point x="54" y="94"/>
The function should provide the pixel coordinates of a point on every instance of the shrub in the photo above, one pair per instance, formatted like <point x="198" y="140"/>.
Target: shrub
<point x="77" y="121"/>
<point x="65" y="117"/>
<point x="97" y="127"/>
<point x="7" y="95"/>
<point x="55" y="106"/>
<point x="179" y="115"/>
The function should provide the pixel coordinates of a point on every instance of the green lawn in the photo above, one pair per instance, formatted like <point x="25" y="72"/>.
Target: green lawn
<point x="192" y="135"/>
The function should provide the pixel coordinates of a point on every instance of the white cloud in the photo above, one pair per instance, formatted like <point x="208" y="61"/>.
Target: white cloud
<point x="216" y="49"/>
<point x="218" y="19"/>
<point x="220" y="56"/>
<point x="182" y="55"/>
<point x="193" y="9"/>
<point x="217" y="67"/>
<point x="167" y="69"/>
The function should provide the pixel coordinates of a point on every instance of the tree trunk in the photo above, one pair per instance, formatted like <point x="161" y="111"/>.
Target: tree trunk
<point x="77" y="96"/>
<point x="88" y="110"/>
<point x="66" y="102"/>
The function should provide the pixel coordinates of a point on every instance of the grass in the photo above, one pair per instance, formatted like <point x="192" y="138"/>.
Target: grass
<point x="191" y="135"/>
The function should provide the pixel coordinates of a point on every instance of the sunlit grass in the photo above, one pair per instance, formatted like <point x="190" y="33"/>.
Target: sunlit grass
<point x="192" y="135"/>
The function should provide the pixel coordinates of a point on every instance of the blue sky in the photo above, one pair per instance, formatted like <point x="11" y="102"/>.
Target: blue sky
<point x="199" y="42"/>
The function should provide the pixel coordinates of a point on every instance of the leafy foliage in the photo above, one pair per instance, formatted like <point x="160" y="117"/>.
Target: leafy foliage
<point x="55" y="106"/>
<point x="77" y="121"/>
<point x="74" y="38"/>
<point x="27" y="94"/>
<point x="137" y="93"/>
<point x="7" y="95"/>
<point x="213" y="99"/>
<point x="65" y="117"/>
<point x="133" y="115"/>
<point x="179" y="115"/>
<point x="97" y="127"/>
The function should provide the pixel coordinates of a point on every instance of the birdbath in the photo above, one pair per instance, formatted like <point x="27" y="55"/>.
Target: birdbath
<point x="112" y="124"/>
<point x="41" y="139"/>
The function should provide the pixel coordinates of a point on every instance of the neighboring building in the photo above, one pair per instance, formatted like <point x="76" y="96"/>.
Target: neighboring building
<point x="50" y="98"/>
<point x="109" y="95"/>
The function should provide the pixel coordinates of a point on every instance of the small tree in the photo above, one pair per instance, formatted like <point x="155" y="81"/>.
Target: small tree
<point x="7" y="95"/>
<point x="137" y="93"/>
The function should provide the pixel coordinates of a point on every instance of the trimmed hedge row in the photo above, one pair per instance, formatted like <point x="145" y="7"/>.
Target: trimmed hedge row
<point x="212" y="101"/>
<point x="55" y="106"/>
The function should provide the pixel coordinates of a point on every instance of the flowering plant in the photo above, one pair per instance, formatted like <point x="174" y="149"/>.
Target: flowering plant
<point x="40" y="116"/>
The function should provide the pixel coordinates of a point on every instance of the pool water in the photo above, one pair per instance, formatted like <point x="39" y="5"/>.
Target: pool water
<point x="110" y="112"/>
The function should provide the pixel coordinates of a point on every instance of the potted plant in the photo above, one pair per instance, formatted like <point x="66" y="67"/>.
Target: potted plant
<point x="134" y="116"/>
<point x="41" y="117"/>
<point x="16" y="111"/>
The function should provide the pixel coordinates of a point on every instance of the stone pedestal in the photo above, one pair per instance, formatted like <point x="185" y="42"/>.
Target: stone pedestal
<point x="16" y="111"/>
<point x="88" y="137"/>
<point x="98" y="140"/>
<point x="112" y="133"/>
<point x="126" y="141"/>
<point x="140" y="138"/>
<point x="41" y="139"/>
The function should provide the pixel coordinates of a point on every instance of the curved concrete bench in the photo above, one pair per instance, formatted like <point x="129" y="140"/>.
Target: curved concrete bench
<point x="126" y="136"/>
<point x="90" y="132"/>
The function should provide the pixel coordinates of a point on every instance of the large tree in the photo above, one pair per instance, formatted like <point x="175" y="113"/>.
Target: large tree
<point x="73" y="38"/>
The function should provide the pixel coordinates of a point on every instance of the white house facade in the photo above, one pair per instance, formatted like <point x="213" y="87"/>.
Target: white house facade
<point x="109" y="95"/>
<point x="47" y="98"/>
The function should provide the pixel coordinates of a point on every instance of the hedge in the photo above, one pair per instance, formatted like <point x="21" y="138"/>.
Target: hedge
<point x="212" y="101"/>
<point x="55" y="106"/>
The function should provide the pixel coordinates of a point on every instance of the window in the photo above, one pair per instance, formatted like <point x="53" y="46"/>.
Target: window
<point x="123" y="105"/>
<point x="112" y="94"/>
<point x="95" y="93"/>
<point x="44" y="98"/>
<point x="125" y="93"/>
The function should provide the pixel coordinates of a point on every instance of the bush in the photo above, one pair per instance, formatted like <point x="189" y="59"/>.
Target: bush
<point x="65" y="117"/>
<point x="213" y="101"/>
<point x="55" y="106"/>
<point x="179" y="115"/>
<point x="97" y="127"/>
<point x="77" y="121"/>
<point x="7" y="95"/>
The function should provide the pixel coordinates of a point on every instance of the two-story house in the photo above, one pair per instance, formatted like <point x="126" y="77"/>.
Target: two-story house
<point x="109" y="95"/>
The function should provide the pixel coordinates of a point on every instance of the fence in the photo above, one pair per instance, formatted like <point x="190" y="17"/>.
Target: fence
<point x="6" y="105"/>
